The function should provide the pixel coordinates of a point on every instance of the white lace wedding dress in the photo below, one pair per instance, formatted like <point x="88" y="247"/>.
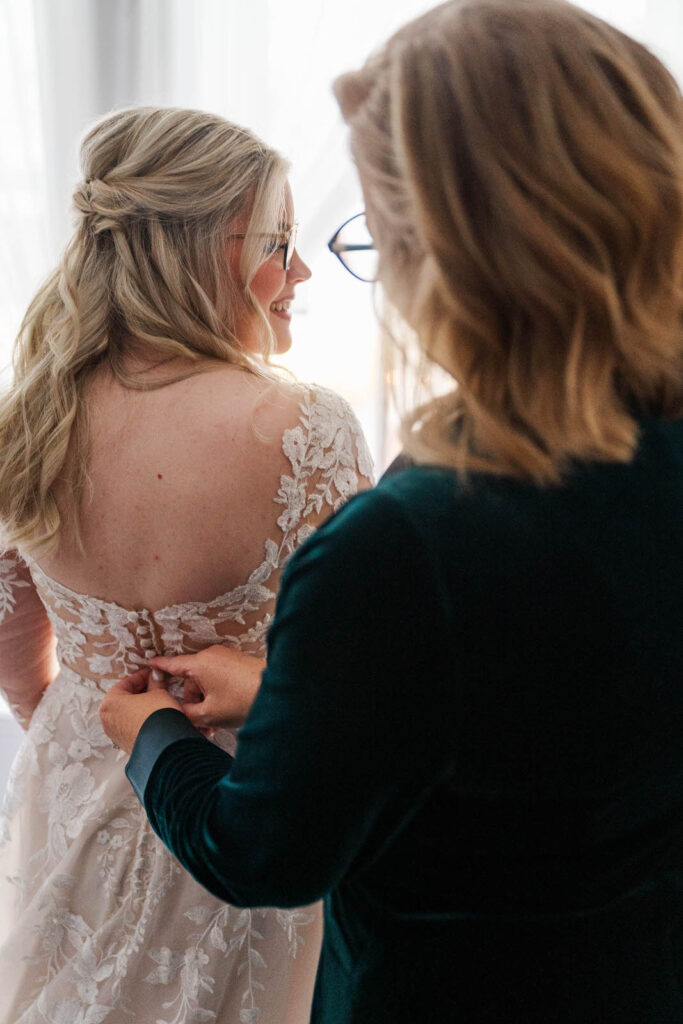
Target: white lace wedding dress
<point x="99" y="923"/>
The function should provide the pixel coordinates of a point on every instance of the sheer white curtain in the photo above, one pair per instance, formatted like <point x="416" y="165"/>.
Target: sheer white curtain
<point x="93" y="57"/>
<point x="23" y="200"/>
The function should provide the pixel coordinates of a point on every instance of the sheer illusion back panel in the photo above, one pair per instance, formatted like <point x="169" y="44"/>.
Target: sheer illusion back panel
<point x="98" y="922"/>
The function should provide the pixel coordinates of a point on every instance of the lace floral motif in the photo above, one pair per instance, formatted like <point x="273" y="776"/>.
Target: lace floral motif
<point x="106" y="926"/>
<point x="10" y="580"/>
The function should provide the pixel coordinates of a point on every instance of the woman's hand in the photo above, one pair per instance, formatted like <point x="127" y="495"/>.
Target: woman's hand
<point x="128" y="703"/>
<point x="220" y="685"/>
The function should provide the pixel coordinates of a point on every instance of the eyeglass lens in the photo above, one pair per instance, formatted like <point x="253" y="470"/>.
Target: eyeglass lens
<point x="291" y="246"/>
<point x="354" y="246"/>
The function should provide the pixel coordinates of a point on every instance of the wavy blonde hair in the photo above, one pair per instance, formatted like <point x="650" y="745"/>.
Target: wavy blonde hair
<point x="146" y="269"/>
<point x="522" y="163"/>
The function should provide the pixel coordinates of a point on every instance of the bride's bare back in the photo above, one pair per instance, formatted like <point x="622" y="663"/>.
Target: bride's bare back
<point x="183" y="482"/>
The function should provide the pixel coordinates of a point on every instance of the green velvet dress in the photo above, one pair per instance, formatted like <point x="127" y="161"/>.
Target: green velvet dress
<point x="469" y="740"/>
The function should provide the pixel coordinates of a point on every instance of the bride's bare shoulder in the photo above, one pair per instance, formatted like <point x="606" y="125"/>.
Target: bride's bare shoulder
<point x="221" y="407"/>
<point x="245" y="408"/>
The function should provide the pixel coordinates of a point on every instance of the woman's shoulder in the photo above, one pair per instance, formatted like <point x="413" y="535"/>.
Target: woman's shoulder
<point x="480" y="510"/>
<point x="428" y="505"/>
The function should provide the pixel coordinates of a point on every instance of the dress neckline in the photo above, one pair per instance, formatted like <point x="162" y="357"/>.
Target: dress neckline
<point x="136" y="613"/>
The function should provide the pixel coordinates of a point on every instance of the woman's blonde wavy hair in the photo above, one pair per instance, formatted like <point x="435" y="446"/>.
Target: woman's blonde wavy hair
<point x="146" y="270"/>
<point x="522" y="163"/>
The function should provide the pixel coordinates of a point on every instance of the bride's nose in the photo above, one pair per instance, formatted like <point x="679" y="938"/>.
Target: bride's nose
<point x="298" y="270"/>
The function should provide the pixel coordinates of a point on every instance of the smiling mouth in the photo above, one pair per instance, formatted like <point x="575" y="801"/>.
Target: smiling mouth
<point x="282" y="309"/>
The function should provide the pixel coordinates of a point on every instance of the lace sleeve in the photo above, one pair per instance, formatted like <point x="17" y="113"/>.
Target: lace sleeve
<point x="329" y="460"/>
<point x="27" y="660"/>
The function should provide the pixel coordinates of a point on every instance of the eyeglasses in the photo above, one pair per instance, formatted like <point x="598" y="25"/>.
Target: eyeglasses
<point x="286" y="241"/>
<point x="353" y="246"/>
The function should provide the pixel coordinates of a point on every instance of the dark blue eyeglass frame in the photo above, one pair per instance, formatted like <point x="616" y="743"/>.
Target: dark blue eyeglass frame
<point x="339" y="248"/>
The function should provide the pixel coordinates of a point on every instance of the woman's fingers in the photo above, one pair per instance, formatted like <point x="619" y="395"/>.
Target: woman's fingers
<point x="199" y="713"/>
<point x="181" y="665"/>
<point x="193" y="713"/>
<point x="158" y="680"/>
<point x="134" y="683"/>
<point x="192" y="692"/>
<point x="220" y="684"/>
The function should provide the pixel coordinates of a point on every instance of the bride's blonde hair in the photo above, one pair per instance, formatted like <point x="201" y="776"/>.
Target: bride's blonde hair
<point x="146" y="268"/>
<point x="522" y="163"/>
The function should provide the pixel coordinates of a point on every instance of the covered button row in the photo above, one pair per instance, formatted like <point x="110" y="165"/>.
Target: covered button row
<point x="143" y="631"/>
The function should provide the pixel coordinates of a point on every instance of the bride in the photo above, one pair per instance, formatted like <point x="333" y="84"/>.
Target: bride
<point x="142" y="365"/>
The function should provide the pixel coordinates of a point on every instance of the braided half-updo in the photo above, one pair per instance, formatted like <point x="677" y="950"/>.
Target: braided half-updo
<point x="146" y="266"/>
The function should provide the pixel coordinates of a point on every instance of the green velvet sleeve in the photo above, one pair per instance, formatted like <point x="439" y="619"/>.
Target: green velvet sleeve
<point x="330" y="741"/>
